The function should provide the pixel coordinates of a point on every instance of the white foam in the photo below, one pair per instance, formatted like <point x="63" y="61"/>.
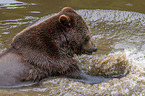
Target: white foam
<point x="135" y="56"/>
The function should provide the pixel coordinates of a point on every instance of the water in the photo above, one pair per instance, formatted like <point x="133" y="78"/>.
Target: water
<point x="119" y="36"/>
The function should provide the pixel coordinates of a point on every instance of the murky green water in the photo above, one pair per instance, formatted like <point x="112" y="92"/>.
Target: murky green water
<point x="119" y="36"/>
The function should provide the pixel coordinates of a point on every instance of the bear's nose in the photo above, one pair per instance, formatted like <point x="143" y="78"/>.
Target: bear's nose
<point x="95" y="49"/>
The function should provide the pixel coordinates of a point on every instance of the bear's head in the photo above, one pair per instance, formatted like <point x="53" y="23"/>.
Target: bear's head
<point x="79" y="37"/>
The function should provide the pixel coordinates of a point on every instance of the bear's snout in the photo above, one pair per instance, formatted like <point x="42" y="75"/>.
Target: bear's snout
<point x="90" y="51"/>
<point x="89" y="48"/>
<point x="95" y="49"/>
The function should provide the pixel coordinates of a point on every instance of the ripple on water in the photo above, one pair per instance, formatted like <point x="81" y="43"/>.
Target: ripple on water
<point x="13" y="4"/>
<point x="9" y="24"/>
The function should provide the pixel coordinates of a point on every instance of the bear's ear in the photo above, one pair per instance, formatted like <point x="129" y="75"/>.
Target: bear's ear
<point x="65" y="20"/>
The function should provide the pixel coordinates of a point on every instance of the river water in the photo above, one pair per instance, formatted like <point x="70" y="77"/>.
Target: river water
<point x="119" y="36"/>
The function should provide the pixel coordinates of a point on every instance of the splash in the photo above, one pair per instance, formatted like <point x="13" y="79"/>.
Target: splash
<point x="114" y="65"/>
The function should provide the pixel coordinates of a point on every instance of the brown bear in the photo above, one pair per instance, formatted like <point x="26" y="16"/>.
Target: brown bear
<point x="46" y="49"/>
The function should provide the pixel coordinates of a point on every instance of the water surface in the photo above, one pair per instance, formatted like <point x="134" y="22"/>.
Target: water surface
<point x="119" y="36"/>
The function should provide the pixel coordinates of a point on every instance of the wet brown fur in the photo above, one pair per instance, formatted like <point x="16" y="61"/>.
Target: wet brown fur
<point x="46" y="49"/>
